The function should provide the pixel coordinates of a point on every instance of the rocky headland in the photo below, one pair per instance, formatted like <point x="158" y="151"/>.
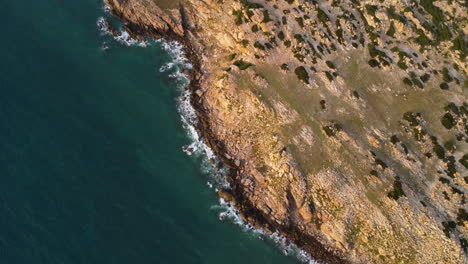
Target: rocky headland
<point x="343" y="123"/>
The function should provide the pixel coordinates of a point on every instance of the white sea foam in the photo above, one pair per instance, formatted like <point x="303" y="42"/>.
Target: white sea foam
<point x="102" y="26"/>
<point x="166" y="67"/>
<point x="122" y="36"/>
<point x="125" y="39"/>
<point x="106" y="8"/>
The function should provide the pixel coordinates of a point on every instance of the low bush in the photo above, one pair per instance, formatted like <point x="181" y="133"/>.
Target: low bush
<point x="242" y="65"/>
<point x="302" y="74"/>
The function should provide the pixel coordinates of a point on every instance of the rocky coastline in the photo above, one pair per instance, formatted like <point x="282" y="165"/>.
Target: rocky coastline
<point x="294" y="211"/>
<point x="236" y="194"/>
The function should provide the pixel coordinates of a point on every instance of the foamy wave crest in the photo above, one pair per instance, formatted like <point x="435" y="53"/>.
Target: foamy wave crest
<point x="120" y="36"/>
<point x="102" y="26"/>
<point x="176" y="51"/>
<point x="166" y="67"/>
<point x="125" y="39"/>
<point x="106" y="8"/>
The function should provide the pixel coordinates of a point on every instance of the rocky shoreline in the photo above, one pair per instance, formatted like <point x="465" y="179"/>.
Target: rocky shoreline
<point x="268" y="143"/>
<point x="236" y="194"/>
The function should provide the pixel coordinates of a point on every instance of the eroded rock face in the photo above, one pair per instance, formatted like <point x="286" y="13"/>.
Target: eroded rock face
<point x="344" y="123"/>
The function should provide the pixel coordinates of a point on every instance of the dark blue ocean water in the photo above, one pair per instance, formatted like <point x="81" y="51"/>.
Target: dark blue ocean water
<point x="91" y="167"/>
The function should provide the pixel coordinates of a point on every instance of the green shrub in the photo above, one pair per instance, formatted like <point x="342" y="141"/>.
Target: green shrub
<point x="300" y="21"/>
<point x="259" y="45"/>
<point x="417" y="82"/>
<point x="244" y="43"/>
<point x="448" y="121"/>
<point x="391" y="31"/>
<point x="397" y="191"/>
<point x="446" y="75"/>
<point x="231" y="57"/>
<point x="458" y="43"/>
<point x="299" y="57"/>
<point x="322" y="16"/>
<point x="242" y="65"/>
<point x="356" y="94"/>
<point x="302" y="74"/>
<point x="250" y="5"/>
<point x="422" y="39"/>
<point x="266" y="16"/>
<point x="381" y="163"/>
<point x="439" y="151"/>
<point x="425" y="77"/>
<point x="371" y="9"/>
<point x="449" y="146"/>
<point x="374" y="52"/>
<point x="393" y="15"/>
<point x="444" y="86"/>
<point x="330" y="64"/>
<point x="448" y="227"/>
<point x="464" y="161"/>
<point x="407" y="81"/>
<point x="462" y="216"/>
<point x="402" y="65"/>
<point x="281" y="35"/>
<point x="238" y="15"/>
<point x="329" y="76"/>
<point x="394" y="139"/>
<point x="255" y="28"/>
<point x="332" y="129"/>
<point x="323" y="104"/>
<point x="453" y="108"/>
<point x="412" y="118"/>
<point x="299" y="38"/>
<point x="444" y="180"/>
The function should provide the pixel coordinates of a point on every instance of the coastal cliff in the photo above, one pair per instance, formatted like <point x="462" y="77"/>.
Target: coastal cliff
<point x="343" y="123"/>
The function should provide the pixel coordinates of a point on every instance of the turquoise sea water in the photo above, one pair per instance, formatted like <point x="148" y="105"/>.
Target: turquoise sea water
<point x="91" y="165"/>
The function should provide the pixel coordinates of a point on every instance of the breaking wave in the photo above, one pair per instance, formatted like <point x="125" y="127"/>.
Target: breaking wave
<point x="121" y="36"/>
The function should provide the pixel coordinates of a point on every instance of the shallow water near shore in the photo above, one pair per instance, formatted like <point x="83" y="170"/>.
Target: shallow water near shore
<point x="91" y="162"/>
